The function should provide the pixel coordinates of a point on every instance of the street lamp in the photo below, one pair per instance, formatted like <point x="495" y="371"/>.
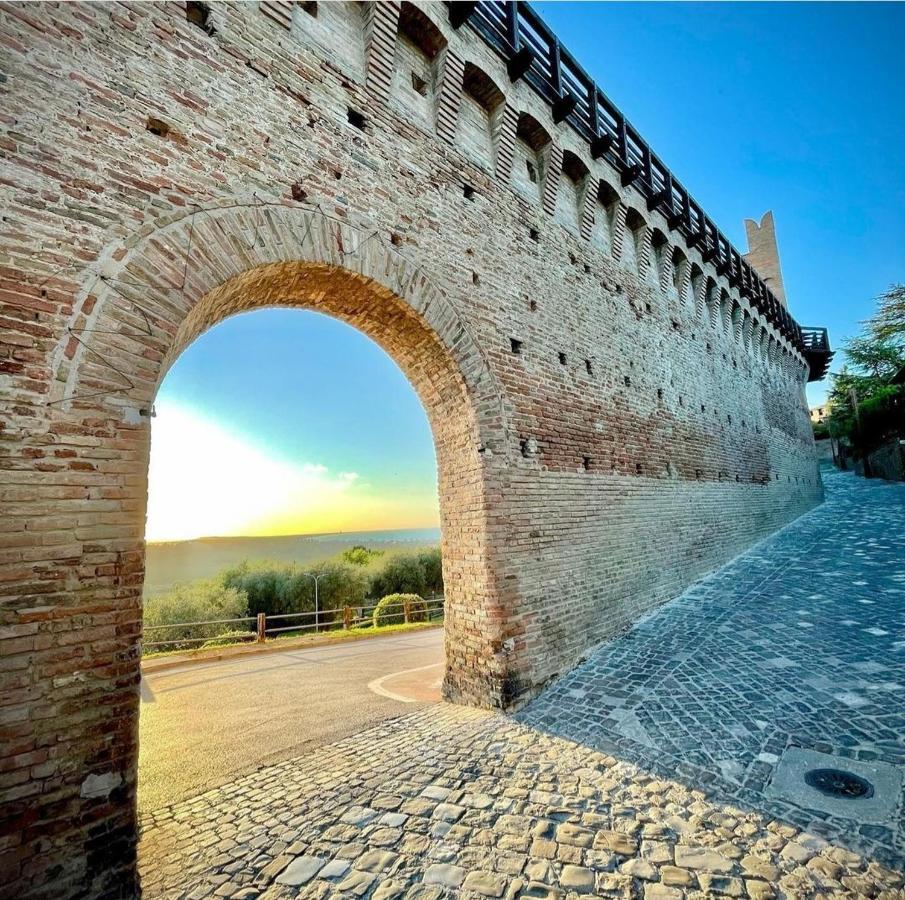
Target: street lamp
<point x="317" y="610"/>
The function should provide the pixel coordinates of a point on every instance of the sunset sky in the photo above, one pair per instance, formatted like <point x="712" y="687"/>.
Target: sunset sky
<point x="288" y="422"/>
<point x="283" y="422"/>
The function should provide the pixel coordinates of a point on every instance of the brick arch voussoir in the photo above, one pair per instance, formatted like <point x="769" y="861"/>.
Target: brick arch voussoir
<point x="137" y="309"/>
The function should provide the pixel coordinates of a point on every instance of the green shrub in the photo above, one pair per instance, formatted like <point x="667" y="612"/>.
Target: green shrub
<point x="200" y="601"/>
<point x="281" y="588"/>
<point x="391" y="609"/>
<point x="409" y="573"/>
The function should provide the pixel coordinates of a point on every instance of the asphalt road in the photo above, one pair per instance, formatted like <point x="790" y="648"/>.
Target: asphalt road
<point x="203" y="725"/>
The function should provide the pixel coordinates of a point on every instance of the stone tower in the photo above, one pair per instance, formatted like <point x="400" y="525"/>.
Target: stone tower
<point x="763" y="253"/>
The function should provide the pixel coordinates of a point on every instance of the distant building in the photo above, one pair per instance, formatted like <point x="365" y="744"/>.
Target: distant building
<point x="819" y="414"/>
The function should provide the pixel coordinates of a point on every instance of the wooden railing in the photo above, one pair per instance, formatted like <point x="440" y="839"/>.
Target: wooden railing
<point x="532" y="52"/>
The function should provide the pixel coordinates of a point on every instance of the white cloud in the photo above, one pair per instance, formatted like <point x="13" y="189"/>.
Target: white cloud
<point x="205" y="480"/>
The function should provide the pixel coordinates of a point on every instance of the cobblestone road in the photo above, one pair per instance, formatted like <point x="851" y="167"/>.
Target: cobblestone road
<point x="799" y="643"/>
<point x="632" y="796"/>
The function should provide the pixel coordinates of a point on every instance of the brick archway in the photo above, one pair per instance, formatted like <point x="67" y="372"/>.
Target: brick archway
<point x="134" y="316"/>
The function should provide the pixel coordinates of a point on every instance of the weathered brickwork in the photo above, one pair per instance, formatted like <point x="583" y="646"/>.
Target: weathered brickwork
<point x="611" y="419"/>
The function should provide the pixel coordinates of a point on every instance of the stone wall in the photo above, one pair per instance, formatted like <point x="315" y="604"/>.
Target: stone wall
<point x="611" y="419"/>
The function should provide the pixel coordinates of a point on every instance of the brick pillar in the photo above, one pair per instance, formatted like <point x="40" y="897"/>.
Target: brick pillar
<point x="449" y="96"/>
<point x="551" y="178"/>
<point x="381" y="25"/>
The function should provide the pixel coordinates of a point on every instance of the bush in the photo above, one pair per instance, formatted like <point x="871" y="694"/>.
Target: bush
<point x="200" y="601"/>
<point x="280" y="588"/>
<point x="391" y="609"/>
<point x="409" y="573"/>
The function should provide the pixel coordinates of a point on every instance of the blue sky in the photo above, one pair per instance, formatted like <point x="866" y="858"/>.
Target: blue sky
<point x="281" y="421"/>
<point x="794" y="107"/>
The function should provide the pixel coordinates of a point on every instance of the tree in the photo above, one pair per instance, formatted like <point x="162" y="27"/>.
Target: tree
<point x="888" y="322"/>
<point x="867" y="397"/>
<point x="409" y="573"/>
<point x="360" y="556"/>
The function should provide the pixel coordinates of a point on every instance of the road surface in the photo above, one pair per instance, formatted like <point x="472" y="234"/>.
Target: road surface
<point x="203" y="725"/>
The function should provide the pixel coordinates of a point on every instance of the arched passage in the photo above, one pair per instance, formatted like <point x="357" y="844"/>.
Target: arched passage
<point x="149" y="300"/>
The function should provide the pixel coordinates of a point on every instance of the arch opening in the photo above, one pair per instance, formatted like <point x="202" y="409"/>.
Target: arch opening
<point x="283" y="441"/>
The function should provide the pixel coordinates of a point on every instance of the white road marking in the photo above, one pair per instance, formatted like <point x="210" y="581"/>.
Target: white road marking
<point x="377" y="684"/>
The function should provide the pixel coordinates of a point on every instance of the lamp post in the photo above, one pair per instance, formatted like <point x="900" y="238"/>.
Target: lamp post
<point x="317" y="609"/>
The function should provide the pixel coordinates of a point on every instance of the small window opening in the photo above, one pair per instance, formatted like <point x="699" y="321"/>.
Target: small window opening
<point x="356" y="118"/>
<point x="562" y="358"/>
<point x="638" y="468"/>
<point x="532" y="171"/>
<point x="681" y="401"/>
<point x="729" y="419"/>
<point x="648" y="307"/>
<point x="468" y="192"/>
<point x="157" y="126"/>
<point x="573" y="258"/>
<point x="586" y="463"/>
<point x="199" y="15"/>
<point x="475" y="278"/>
<point x="516" y="346"/>
<point x="627" y="380"/>
<point x="698" y="474"/>
<point x="532" y="305"/>
<point x="587" y="268"/>
<point x="535" y="234"/>
<point x="659" y="393"/>
<point x="419" y="84"/>
<point x="589" y="367"/>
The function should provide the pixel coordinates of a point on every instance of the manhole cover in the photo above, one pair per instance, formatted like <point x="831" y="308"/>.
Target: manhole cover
<point x="839" y="783"/>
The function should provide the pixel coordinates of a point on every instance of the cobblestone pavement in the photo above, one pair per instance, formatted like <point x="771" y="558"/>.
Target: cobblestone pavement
<point x="454" y="802"/>
<point x="799" y="642"/>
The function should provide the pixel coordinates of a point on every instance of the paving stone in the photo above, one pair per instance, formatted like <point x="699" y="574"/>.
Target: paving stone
<point x="541" y="891"/>
<point x="389" y="889"/>
<point x="357" y="883"/>
<point x="657" y="852"/>
<point x="759" y="890"/>
<point x="721" y="884"/>
<point x="577" y="878"/>
<point x="448" y="812"/>
<point x="335" y="869"/>
<point x="701" y="858"/>
<point x="639" y="868"/>
<point x="574" y="835"/>
<point x="444" y="874"/>
<point x="300" y="871"/>
<point x="661" y="892"/>
<point x="490" y="884"/>
<point x="376" y="861"/>
<point x="615" y="842"/>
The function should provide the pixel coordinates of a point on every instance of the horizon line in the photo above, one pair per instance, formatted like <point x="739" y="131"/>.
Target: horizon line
<point x="301" y="534"/>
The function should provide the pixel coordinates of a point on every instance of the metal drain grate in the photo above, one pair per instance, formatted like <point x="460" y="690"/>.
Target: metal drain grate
<point x="839" y="783"/>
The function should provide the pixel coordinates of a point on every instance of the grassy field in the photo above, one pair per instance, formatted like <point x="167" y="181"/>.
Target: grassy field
<point x="181" y="562"/>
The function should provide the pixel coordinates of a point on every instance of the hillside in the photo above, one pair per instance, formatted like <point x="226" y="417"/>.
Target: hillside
<point x="183" y="561"/>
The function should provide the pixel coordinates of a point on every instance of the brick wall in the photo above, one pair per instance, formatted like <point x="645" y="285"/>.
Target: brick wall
<point x="611" y="419"/>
